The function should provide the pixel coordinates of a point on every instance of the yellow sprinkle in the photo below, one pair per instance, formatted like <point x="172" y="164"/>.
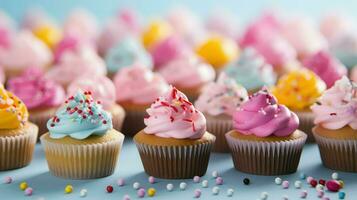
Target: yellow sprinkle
<point x="342" y="183"/>
<point x="68" y="189"/>
<point x="23" y="185"/>
<point x="151" y="192"/>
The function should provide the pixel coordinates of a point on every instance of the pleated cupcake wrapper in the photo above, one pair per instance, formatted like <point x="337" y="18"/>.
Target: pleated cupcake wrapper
<point x="219" y="128"/>
<point x="266" y="158"/>
<point x="175" y="162"/>
<point x="117" y="119"/>
<point x="338" y="154"/>
<point x="17" y="151"/>
<point x="83" y="161"/>
<point x="133" y="122"/>
<point x="40" y="119"/>
<point x="306" y="124"/>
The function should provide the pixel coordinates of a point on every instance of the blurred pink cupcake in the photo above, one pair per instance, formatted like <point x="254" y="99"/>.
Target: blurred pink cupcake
<point x="2" y="76"/>
<point x="188" y="75"/>
<point x="102" y="90"/>
<point x="223" y="23"/>
<point x="332" y="25"/>
<point x="6" y="22"/>
<point x="328" y="68"/>
<point x="302" y="35"/>
<point x="41" y="96"/>
<point x="24" y="50"/>
<point x="353" y="75"/>
<point x="83" y="61"/>
<point x="34" y="18"/>
<point x="136" y="88"/>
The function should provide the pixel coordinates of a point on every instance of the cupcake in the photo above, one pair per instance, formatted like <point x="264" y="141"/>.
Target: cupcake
<point x="24" y="50"/>
<point x="265" y="139"/>
<point x="218" y="51"/>
<point x="49" y="34"/>
<point x="155" y="32"/>
<point x="336" y="126"/>
<point x="81" y="142"/>
<point x="2" y="76"/>
<point x="251" y="71"/>
<point x="82" y="61"/>
<point x="353" y="75"/>
<point x="298" y="90"/>
<point x="188" y="74"/>
<point x="174" y="144"/>
<point x="67" y="44"/>
<point x="136" y="88"/>
<point x="224" y="23"/>
<point x="102" y="89"/>
<point x="218" y="102"/>
<point x="17" y="135"/>
<point x="126" y="52"/>
<point x="41" y="96"/>
<point x="328" y="68"/>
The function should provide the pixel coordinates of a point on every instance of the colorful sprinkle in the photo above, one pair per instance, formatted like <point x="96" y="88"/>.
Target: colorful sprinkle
<point x="197" y="193"/>
<point x="285" y="184"/>
<point x="309" y="179"/>
<point x="322" y="182"/>
<point x="126" y="197"/>
<point x="151" y="192"/>
<point x="325" y="198"/>
<point x="333" y="185"/>
<point x="109" y="189"/>
<point x="141" y="193"/>
<point x="230" y="192"/>
<point x="215" y="174"/>
<point x="68" y="189"/>
<point x="278" y="181"/>
<point x="169" y="187"/>
<point x="313" y="183"/>
<point x="320" y="193"/>
<point x="121" y="182"/>
<point x="23" y="186"/>
<point x="334" y="176"/>
<point x="183" y="186"/>
<point x="196" y="179"/>
<point x="341" y="195"/>
<point x="7" y="180"/>
<point x="136" y="185"/>
<point x="285" y="197"/>
<point x="219" y="180"/>
<point x="246" y="181"/>
<point x="319" y="187"/>
<point x="151" y="179"/>
<point x="83" y="193"/>
<point x="215" y="190"/>
<point x="205" y="183"/>
<point x="297" y="184"/>
<point x="264" y="196"/>
<point x="303" y="194"/>
<point x="28" y="191"/>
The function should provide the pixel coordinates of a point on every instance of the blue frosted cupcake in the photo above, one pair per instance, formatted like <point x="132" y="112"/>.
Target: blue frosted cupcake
<point x="80" y="136"/>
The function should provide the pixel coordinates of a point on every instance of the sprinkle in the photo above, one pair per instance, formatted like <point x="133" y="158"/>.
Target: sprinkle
<point x="313" y="183"/>
<point x="165" y="104"/>
<point x="320" y="193"/>
<point x="297" y="184"/>
<point x="342" y="184"/>
<point x="197" y="193"/>
<point x="333" y="185"/>
<point x="126" y="197"/>
<point x="215" y="190"/>
<point x="151" y="192"/>
<point x="183" y="186"/>
<point x="141" y="193"/>
<point x="174" y="93"/>
<point x="219" y="181"/>
<point x="309" y="179"/>
<point x="68" y="189"/>
<point x="7" y="180"/>
<point x="109" y="189"/>
<point x="215" y="174"/>
<point x="23" y="186"/>
<point x="341" y="195"/>
<point x="174" y="108"/>
<point x="230" y="192"/>
<point x="83" y="193"/>
<point x="285" y="184"/>
<point x="172" y="118"/>
<point x="28" y="191"/>
<point x="196" y="179"/>
<point x="325" y="198"/>
<point x="99" y="102"/>
<point x="303" y="194"/>
<point x="278" y="181"/>
<point x="246" y="181"/>
<point x="285" y="197"/>
<point x="104" y="122"/>
<point x="151" y="179"/>
<point x="322" y="182"/>
<point x="333" y="114"/>
<point x="121" y="182"/>
<point x="204" y="183"/>
<point x="334" y="176"/>
<point x="302" y="176"/>
<point x="264" y="196"/>
<point x="136" y="185"/>
<point x="169" y="187"/>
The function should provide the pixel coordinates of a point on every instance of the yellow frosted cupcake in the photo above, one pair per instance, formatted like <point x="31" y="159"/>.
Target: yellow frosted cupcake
<point x="298" y="90"/>
<point x="81" y="142"/>
<point x="17" y="135"/>
<point x="156" y="31"/>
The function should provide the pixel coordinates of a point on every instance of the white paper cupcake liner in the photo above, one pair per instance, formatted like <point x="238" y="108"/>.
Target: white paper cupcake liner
<point x="266" y="158"/>
<point x="16" y="151"/>
<point x="82" y="161"/>
<point x="219" y="127"/>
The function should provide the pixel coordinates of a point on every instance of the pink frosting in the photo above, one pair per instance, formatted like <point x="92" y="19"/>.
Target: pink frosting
<point x="2" y="76"/>
<point x="223" y="23"/>
<point x="6" y="22"/>
<point x="139" y="85"/>
<point x="102" y="89"/>
<point x="83" y="62"/>
<point x="68" y="43"/>
<point x="221" y="97"/>
<point x="337" y="107"/>
<point x="25" y="50"/>
<point x="34" y="18"/>
<point x="328" y="68"/>
<point x="35" y="90"/>
<point x="131" y="20"/>
<point x="169" y="49"/>
<point x="5" y="38"/>
<point x="332" y="25"/>
<point x="353" y="74"/>
<point x="187" y="72"/>
<point x="173" y="116"/>
<point x="262" y="116"/>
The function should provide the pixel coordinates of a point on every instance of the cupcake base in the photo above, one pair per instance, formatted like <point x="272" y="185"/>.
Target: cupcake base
<point x="134" y="119"/>
<point x="266" y="156"/>
<point x="40" y="118"/>
<point x="306" y="118"/>
<point x="192" y="93"/>
<point x="174" y="158"/>
<point x="17" y="146"/>
<point x="338" y="148"/>
<point x="93" y="157"/>
<point x="118" y="115"/>
<point x="219" y="126"/>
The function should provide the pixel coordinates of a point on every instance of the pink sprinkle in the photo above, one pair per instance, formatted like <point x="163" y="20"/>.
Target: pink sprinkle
<point x="320" y="193"/>
<point x="151" y="179"/>
<point x="7" y="180"/>
<point x="196" y="179"/>
<point x="28" y="191"/>
<point x="285" y="184"/>
<point x="121" y="182"/>
<point x="126" y="197"/>
<point x="309" y="179"/>
<point x="219" y="180"/>
<point x="141" y="193"/>
<point x="325" y="198"/>
<point x="303" y="194"/>
<point x="197" y="193"/>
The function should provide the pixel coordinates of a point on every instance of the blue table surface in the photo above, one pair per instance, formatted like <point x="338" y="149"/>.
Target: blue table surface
<point x="130" y="168"/>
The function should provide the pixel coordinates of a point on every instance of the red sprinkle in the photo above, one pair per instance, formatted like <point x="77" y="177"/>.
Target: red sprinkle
<point x="322" y="182"/>
<point x="165" y="104"/>
<point x="57" y="120"/>
<point x="193" y="127"/>
<point x="68" y="108"/>
<point x="187" y="120"/>
<point x="104" y="122"/>
<point x="90" y="112"/>
<point x="52" y="125"/>
<point x="66" y="101"/>
<point x="110" y="189"/>
<point x="171" y="118"/>
<point x="174" y="92"/>
<point x="99" y="102"/>
<point x="79" y="111"/>
<point x="183" y="107"/>
<point x="84" y="116"/>
<point x="81" y="101"/>
<point x="89" y="92"/>
<point x="333" y="114"/>
<point x="313" y="183"/>
<point x="174" y="108"/>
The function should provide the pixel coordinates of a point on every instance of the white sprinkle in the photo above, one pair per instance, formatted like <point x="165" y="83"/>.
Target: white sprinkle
<point x="278" y="180"/>
<point x="215" y="190"/>
<point x="136" y="185"/>
<point x="215" y="174"/>
<point x="297" y="184"/>
<point x="170" y="187"/>
<point x="204" y="183"/>
<point x="183" y="185"/>
<point x="230" y="192"/>
<point x="334" y="176"/>
<point x="83" y="193"/>
<point x="264" y="196"/>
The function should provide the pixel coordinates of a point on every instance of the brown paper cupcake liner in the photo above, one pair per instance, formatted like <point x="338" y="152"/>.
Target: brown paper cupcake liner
<point x="219" y="127"/>
<point x="40" y="118"/>
<point x="118" y="115"/>
<point x="266" y="158"/>
<point x="134" y="122"/>
<point x="306" y="123"/>
<point x="16" y="151"/>
<point x="82" y="161"/>
<point x="338" y="154"/>
<point x="175" y="162"/>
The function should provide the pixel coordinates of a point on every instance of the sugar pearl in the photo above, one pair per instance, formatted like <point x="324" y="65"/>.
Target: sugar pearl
<point x="151" y="179"/>
<point x="302" y="176"/>
<point x="68" y="189"/>
<point x="126" y="197"/>
<point x="264" y="196"/>
<point x="23" y="186"/>
<point x="7" y="180"/>
<point x="297" y="184"/>
<point x="219" y="180"/>
<point x="334" y="175"/>
<point x="230" y="192"/>
<point x="278" y="181"/>
<point x="285" y="197"/>
<point x="215" y="174"/>
<point x="285" y="184"/>
<point x="204" y="183"/>
<point x="28" y="191"/>
<point x="141" y="193"/>
<point x="333" y="185"/>
<point x="320" y="193"/>
<point x="319" y="187"/>
<point x="196" y="179"/>
<point x="197" y="193"/>
<point x="121" y="182"/>
<point x="183" y="185"/>
<point x="151" y="192"/>
<point x="136" y="185"/>
<point x="170" y="187"/>
<point x="309" y="179"/>
<point x="83" y="193"/>
<point x="303" y="194"/>
<point x="215" y="190"/>
<point x="341" y="195"/>
<point x="325" y="198"/>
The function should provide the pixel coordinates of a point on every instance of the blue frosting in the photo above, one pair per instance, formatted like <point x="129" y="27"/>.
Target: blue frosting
<point x="79" y="118"/>
<point x="251" y="71"/>
<point x="125" y="53"/>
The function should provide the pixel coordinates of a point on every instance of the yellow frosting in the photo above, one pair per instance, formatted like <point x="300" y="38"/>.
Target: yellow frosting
<point x="49" y="34"/>
<point x="13" y="112"/>
<point x="156" y="31"/>
<point x="299" y="89"/>
<point x="218" y="51"/>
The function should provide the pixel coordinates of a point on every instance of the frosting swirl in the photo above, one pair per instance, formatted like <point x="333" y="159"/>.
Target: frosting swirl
<point x="337" y="107"/>
<point x="262" y="116"/>
<point x="328" y="68"/>
<point x="187" y="72"/>
<point x="125" y="53"/>
<point x="251" y="70"/>
<point x="173" y="116"/>
<point x="102" y="89"/>
<point x="221" y="97"/>
<point x="79" y="118"/>
<point x="139" y="85"/>
<point x="35" y="90"/>
<point x="13" y="113"/>
<point x="299" y="89"/>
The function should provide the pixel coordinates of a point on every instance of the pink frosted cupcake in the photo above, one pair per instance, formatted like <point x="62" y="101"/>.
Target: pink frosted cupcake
<point x="218" y="102"/>
<point x="24" y="50"/>
<point x="265" y="139"/>
<point x="2" y="76"/>
<point x="188" y="75"/>
<point x="223" y="23"/>
<point x="83" y="61"/>
<point x="102" y="89"/>
<point x="353" y="75"/>
<point x="328" y="68"/>
<point x="41" y="96"/>
<point x="136" y="88"/>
